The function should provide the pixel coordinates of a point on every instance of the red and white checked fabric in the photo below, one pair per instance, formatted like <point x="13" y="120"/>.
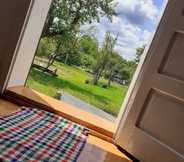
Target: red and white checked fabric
<point x="34" y="135"/>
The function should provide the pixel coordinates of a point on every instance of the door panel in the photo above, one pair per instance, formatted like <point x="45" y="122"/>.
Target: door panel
<point x="152" y="128"/>
<point x="149" y="149"/>
<point x="161" y="125"/>
<point x="173" y="60"/>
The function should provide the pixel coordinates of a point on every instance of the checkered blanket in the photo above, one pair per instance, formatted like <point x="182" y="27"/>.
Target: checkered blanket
<point x="32" y="135"/>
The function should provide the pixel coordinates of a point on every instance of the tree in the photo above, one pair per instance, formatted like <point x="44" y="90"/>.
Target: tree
<point x="45" y="48"/>
<point x="128" y="72"/>
<point x="139" y="52"/>
<point x="114" y="66"/>
<point x="65" y="15"/>
<point x="68" y="44"/>
<point x="89" y="45"/>
<point x="104" y="55"/>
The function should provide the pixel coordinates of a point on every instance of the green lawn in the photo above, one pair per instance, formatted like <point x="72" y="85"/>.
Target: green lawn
<point x="72" y="81"/>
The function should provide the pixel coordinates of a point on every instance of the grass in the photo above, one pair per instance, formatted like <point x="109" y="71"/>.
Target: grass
<point x="72" y="81"/>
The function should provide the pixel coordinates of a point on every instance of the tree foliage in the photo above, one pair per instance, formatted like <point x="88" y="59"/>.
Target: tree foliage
<point x="89" y="45"/>
<point x="65" y="15"/>
<point x="128" y="71"/>
<point x="45" y="48"/>
<point x="68" y="45"/>
<point x="139" y="52"/>
<point x="103" y="56"/>
<point x="67" y="38"/>
<point x="66" y="24"/>
<point x="115" y="64"/>
<point x="87" y="54"/>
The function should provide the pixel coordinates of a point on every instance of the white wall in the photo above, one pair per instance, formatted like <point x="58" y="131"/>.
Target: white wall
<point x="28" y="42"/>
<point x="12" y="18"/>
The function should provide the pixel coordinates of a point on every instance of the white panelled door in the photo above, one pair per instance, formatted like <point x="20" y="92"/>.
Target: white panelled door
<point x="152" y="128"/>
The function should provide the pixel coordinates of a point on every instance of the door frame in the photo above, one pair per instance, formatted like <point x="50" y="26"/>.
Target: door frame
<point x="133" y="86"/>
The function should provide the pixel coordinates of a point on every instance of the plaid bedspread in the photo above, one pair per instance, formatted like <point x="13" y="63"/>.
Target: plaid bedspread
<point x="32" y="135"/>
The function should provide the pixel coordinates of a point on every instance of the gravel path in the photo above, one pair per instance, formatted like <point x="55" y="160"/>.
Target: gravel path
<point x="67" y="98"/>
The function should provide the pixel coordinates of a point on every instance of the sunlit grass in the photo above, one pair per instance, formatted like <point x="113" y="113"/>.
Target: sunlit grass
<point x="72" y="81"/>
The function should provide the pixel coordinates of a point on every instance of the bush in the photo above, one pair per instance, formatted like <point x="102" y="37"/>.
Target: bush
<point x="45" y="48"/>
<point x="87" y="81"/>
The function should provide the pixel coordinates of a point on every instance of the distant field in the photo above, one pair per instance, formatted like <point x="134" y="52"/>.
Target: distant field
<point x="72" y="81"/>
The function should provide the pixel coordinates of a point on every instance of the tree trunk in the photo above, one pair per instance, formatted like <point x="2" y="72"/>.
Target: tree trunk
<point x="66" y="59"/>
<point x="53" y="56"/>
<point x="112" y="73"/>
<point x="97" y="76"/>
<point x="109" y="82"/>
<point x="51" y="61"/>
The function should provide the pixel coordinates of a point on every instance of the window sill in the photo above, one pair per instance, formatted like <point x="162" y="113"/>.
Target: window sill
<point x="26" y="97"/>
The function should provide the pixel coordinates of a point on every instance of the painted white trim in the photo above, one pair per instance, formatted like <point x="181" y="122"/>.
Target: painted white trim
<point x="6" y="85"/>
<point x="28" y="42"/>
